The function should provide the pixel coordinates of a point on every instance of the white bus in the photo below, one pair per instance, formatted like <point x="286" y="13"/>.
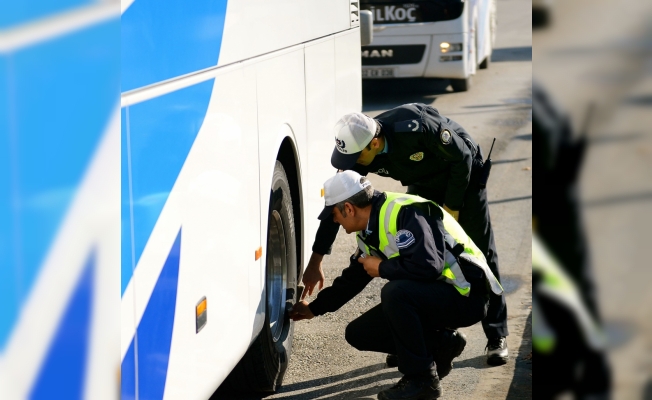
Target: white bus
<point x="430" y="39"/>
<point x="227" y="111"/>
<point x="59" y="200"/>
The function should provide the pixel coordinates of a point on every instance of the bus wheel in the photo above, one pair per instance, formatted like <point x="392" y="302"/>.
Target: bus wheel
<point x="263" y="366"/>
<point x="492" y="35"/>
<point x="540" y="17"/>
<point x="461" y="85"/>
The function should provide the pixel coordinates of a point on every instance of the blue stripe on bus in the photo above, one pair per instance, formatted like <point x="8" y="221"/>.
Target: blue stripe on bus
<point x="128" y="374"/>
<point x="63" y="371"/>
<point x="8" y="263"/>
<point x="162" y="39"/>
<point x="161" y="133"/>
<point x="22" y="11"/>
<point x="126" y="264"/>
<point x="60" y="100"/>
<point x="155" y="328"/>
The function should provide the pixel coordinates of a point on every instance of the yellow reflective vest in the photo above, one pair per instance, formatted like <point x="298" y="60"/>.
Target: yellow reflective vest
<point x="454" y="236"/>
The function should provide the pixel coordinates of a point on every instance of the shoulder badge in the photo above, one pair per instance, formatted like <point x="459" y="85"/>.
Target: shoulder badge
<point x="445" y="136"/>
<point x="412" y="125"/>
<point x="417" y="156"/>
<point x="404" y="239"/>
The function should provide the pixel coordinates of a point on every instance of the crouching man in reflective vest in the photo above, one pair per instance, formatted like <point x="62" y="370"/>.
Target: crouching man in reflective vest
<point x="438" y="281"/>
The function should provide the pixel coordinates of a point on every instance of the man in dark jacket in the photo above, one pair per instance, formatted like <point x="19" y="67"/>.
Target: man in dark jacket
<point x="438" y="281"/>
<point x="437" y="159"/>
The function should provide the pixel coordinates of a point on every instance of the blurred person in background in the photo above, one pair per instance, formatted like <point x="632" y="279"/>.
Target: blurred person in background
<point x="567" y="337"/>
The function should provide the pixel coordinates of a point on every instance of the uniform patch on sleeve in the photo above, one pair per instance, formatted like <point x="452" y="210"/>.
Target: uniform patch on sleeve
<point x="404" y="239"/>
<point x="412" y="125"/>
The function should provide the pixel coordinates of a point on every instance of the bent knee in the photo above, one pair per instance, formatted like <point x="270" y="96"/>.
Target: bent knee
<point x="391" y="291"/>
<point x="353" y="335"/>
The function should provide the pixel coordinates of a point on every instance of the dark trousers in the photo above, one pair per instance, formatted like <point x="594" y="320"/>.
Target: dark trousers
<point x="575" y="366"/>
<point x="408" y="314"/>
<point x="474" y="218"/>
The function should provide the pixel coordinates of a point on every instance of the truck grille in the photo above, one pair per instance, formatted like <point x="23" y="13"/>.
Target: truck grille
<point x="389" y="55"/>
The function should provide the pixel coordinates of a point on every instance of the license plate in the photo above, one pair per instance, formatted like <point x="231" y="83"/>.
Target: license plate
<point x="378" y="73"/>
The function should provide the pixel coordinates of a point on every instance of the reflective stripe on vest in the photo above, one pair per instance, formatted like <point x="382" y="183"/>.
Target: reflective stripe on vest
<point x="558" y="286"/>
<point x="454" y="234"/>
<point x="544" y="338"/>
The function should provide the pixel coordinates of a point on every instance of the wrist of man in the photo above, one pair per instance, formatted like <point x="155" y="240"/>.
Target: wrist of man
<point x="315" y="309"/>
<point x="382" y="269"/>
<point x="321" y="250"/>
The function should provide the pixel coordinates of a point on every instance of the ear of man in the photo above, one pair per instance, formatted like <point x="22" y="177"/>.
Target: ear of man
<point x="350" y="209"/>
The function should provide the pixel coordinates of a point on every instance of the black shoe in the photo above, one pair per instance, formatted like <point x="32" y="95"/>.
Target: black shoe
<point x="497" y="353"/>
<point x="414" y="387"/>
<point x="449" y="344"/>
<point x="392" y="361"/>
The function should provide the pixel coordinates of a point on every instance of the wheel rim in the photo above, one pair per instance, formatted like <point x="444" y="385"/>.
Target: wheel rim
<point x="276" y="275"/>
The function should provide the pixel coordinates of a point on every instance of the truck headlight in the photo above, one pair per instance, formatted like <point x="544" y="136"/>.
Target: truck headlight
<point x="446" y="47"/>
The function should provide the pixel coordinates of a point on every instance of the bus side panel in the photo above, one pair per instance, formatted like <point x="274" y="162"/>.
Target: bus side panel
<point x="323" y="17"/>
<point x="329" y="64"/>
<point x="189" y="177"/>
<point x="160" y="133"/>
<point x="281" y="114"/>
<point x="163" y="39"/>
<point x="348" y="79"/>
<point x="255" y="27"/>
<point x="321" y="117"/>
<point x="219" y="203"/>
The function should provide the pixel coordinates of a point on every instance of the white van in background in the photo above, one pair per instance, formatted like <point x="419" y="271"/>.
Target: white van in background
<point x="430" y="39"/>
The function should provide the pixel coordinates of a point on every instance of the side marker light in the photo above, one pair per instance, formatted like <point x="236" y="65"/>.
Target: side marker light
<point x="201" y="314"/>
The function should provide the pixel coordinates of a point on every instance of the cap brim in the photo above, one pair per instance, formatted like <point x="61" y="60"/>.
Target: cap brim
<point x="343" y="161"/>
<point x="326" y="213"/>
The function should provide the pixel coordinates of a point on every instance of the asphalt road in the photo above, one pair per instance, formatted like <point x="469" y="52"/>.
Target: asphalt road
<point x="323" y="365"/>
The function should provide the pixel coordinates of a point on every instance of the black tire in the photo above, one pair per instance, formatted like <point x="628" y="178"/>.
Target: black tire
<point x="492" y="37"/>
<point x="461" y="85"/>
<point x="485" y="63"/>
<point x="540" y="17"/>
<point x="263" y="367"/>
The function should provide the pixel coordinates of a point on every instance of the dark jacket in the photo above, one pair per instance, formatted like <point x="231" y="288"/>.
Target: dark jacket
<point x="424" y="149"/>
<point x="421" y="258"/>
<point x="420" y="153"/>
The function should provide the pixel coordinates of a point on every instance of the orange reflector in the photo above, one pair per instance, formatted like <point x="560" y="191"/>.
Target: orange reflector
<point x="322" y="192"/>
<point x="201" y="307"/>
<point x="259" y="253"/>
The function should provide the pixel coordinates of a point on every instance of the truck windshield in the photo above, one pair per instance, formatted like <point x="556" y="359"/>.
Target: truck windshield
<point x="397" y="12"/>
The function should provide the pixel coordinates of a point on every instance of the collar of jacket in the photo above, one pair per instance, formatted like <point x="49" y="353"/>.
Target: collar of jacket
<point x="376" y="203"/>
<point x="389" y="138"/>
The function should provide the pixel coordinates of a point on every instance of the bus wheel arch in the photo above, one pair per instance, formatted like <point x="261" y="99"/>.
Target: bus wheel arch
<point x="287" y="156"/>
<point x="262" y="368"/>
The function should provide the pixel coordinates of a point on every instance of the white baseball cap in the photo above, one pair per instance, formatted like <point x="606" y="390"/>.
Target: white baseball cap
<point x="353" y="132"/>
<point x="341" y="187"/>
